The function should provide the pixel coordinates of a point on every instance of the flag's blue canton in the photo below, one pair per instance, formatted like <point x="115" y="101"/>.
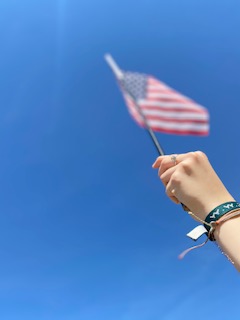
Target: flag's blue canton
<point x="135" y="84"/>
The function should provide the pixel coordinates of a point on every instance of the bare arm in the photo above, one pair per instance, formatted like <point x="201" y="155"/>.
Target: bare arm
<point x="193" y="181"/>
<point x="228" y="237"/>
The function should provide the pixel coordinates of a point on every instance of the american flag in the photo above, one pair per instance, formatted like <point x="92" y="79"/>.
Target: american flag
<point x="155" y="105"/>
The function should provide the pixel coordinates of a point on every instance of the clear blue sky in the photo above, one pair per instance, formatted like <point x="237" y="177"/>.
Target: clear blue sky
<point x="86" y="230"/>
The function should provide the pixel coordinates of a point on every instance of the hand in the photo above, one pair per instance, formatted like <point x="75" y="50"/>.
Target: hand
<point x="191" y="180"/>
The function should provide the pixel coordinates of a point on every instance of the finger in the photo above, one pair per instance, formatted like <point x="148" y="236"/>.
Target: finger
<point x="168" y="162"/>
<point x="171" y="194"/>
<point x="161" y="159"/>
<point x="171" y="160"/>
<point x="158" y="161"/>
<point x="166" y="176"/>
<point x="180" y="158"/>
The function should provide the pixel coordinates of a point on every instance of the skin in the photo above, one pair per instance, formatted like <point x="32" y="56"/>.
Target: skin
<point x="191" y="180"/>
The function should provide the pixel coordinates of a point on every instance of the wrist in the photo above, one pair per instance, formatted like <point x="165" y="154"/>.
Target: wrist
<point x="202" y="210"/>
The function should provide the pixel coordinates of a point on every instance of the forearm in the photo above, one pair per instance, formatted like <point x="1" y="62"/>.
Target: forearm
<point x="227" y="236"/>
<point x="190" y="179"/>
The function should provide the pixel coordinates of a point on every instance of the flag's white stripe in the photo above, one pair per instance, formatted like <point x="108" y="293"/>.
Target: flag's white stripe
<point x="154" y="84"/>
<point x="178" y="126"/>
<point x="180" y="105"/>
<point x="172" y="125"/>
<point x="175" y="115"/>
<point x="161" y="124"/>
<point x="174" y="120"/>
<point x="159" y="86"/>
<point x="152" y="81"/>
<point x="183" y="115"/>
<point x="167" y="95"/>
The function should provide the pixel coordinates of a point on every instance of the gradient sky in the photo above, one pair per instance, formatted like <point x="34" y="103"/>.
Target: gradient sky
<point x="87" y="232"/>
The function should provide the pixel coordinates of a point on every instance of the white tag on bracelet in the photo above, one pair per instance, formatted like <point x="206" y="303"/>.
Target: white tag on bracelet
<point x="197" y="232"/>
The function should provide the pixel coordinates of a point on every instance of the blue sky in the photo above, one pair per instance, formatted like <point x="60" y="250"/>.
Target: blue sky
<point x="86" y="230"/>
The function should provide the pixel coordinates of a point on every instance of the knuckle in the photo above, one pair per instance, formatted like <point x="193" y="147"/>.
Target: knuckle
<point x="193" y="159"/>
<point x="187" y="165"/>
<point x="176" y="178"/>
<point x="199" y="155"/>
<point x="168" y="191"/>
<point x="161" y="176"/>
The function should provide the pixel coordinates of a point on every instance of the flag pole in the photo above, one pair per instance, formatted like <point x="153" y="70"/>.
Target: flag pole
<point x="119" y="75"/>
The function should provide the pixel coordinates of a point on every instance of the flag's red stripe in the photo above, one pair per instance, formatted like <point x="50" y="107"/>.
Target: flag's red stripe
<point x="173" y="120"/>
<point x="175" y="131"/>
<point x="157" y="108"/>
<point x="160" y="128"/>
<point x="169" y="99"/>
<point x="167" y="119"/>
<point x="178" y="105"/>
<point x="163" y="90"/>
<point x="183" y="132"/>
<point x="131" y="104"/>
<point x="154" y="81"/>
<point x="160" y="88"/>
